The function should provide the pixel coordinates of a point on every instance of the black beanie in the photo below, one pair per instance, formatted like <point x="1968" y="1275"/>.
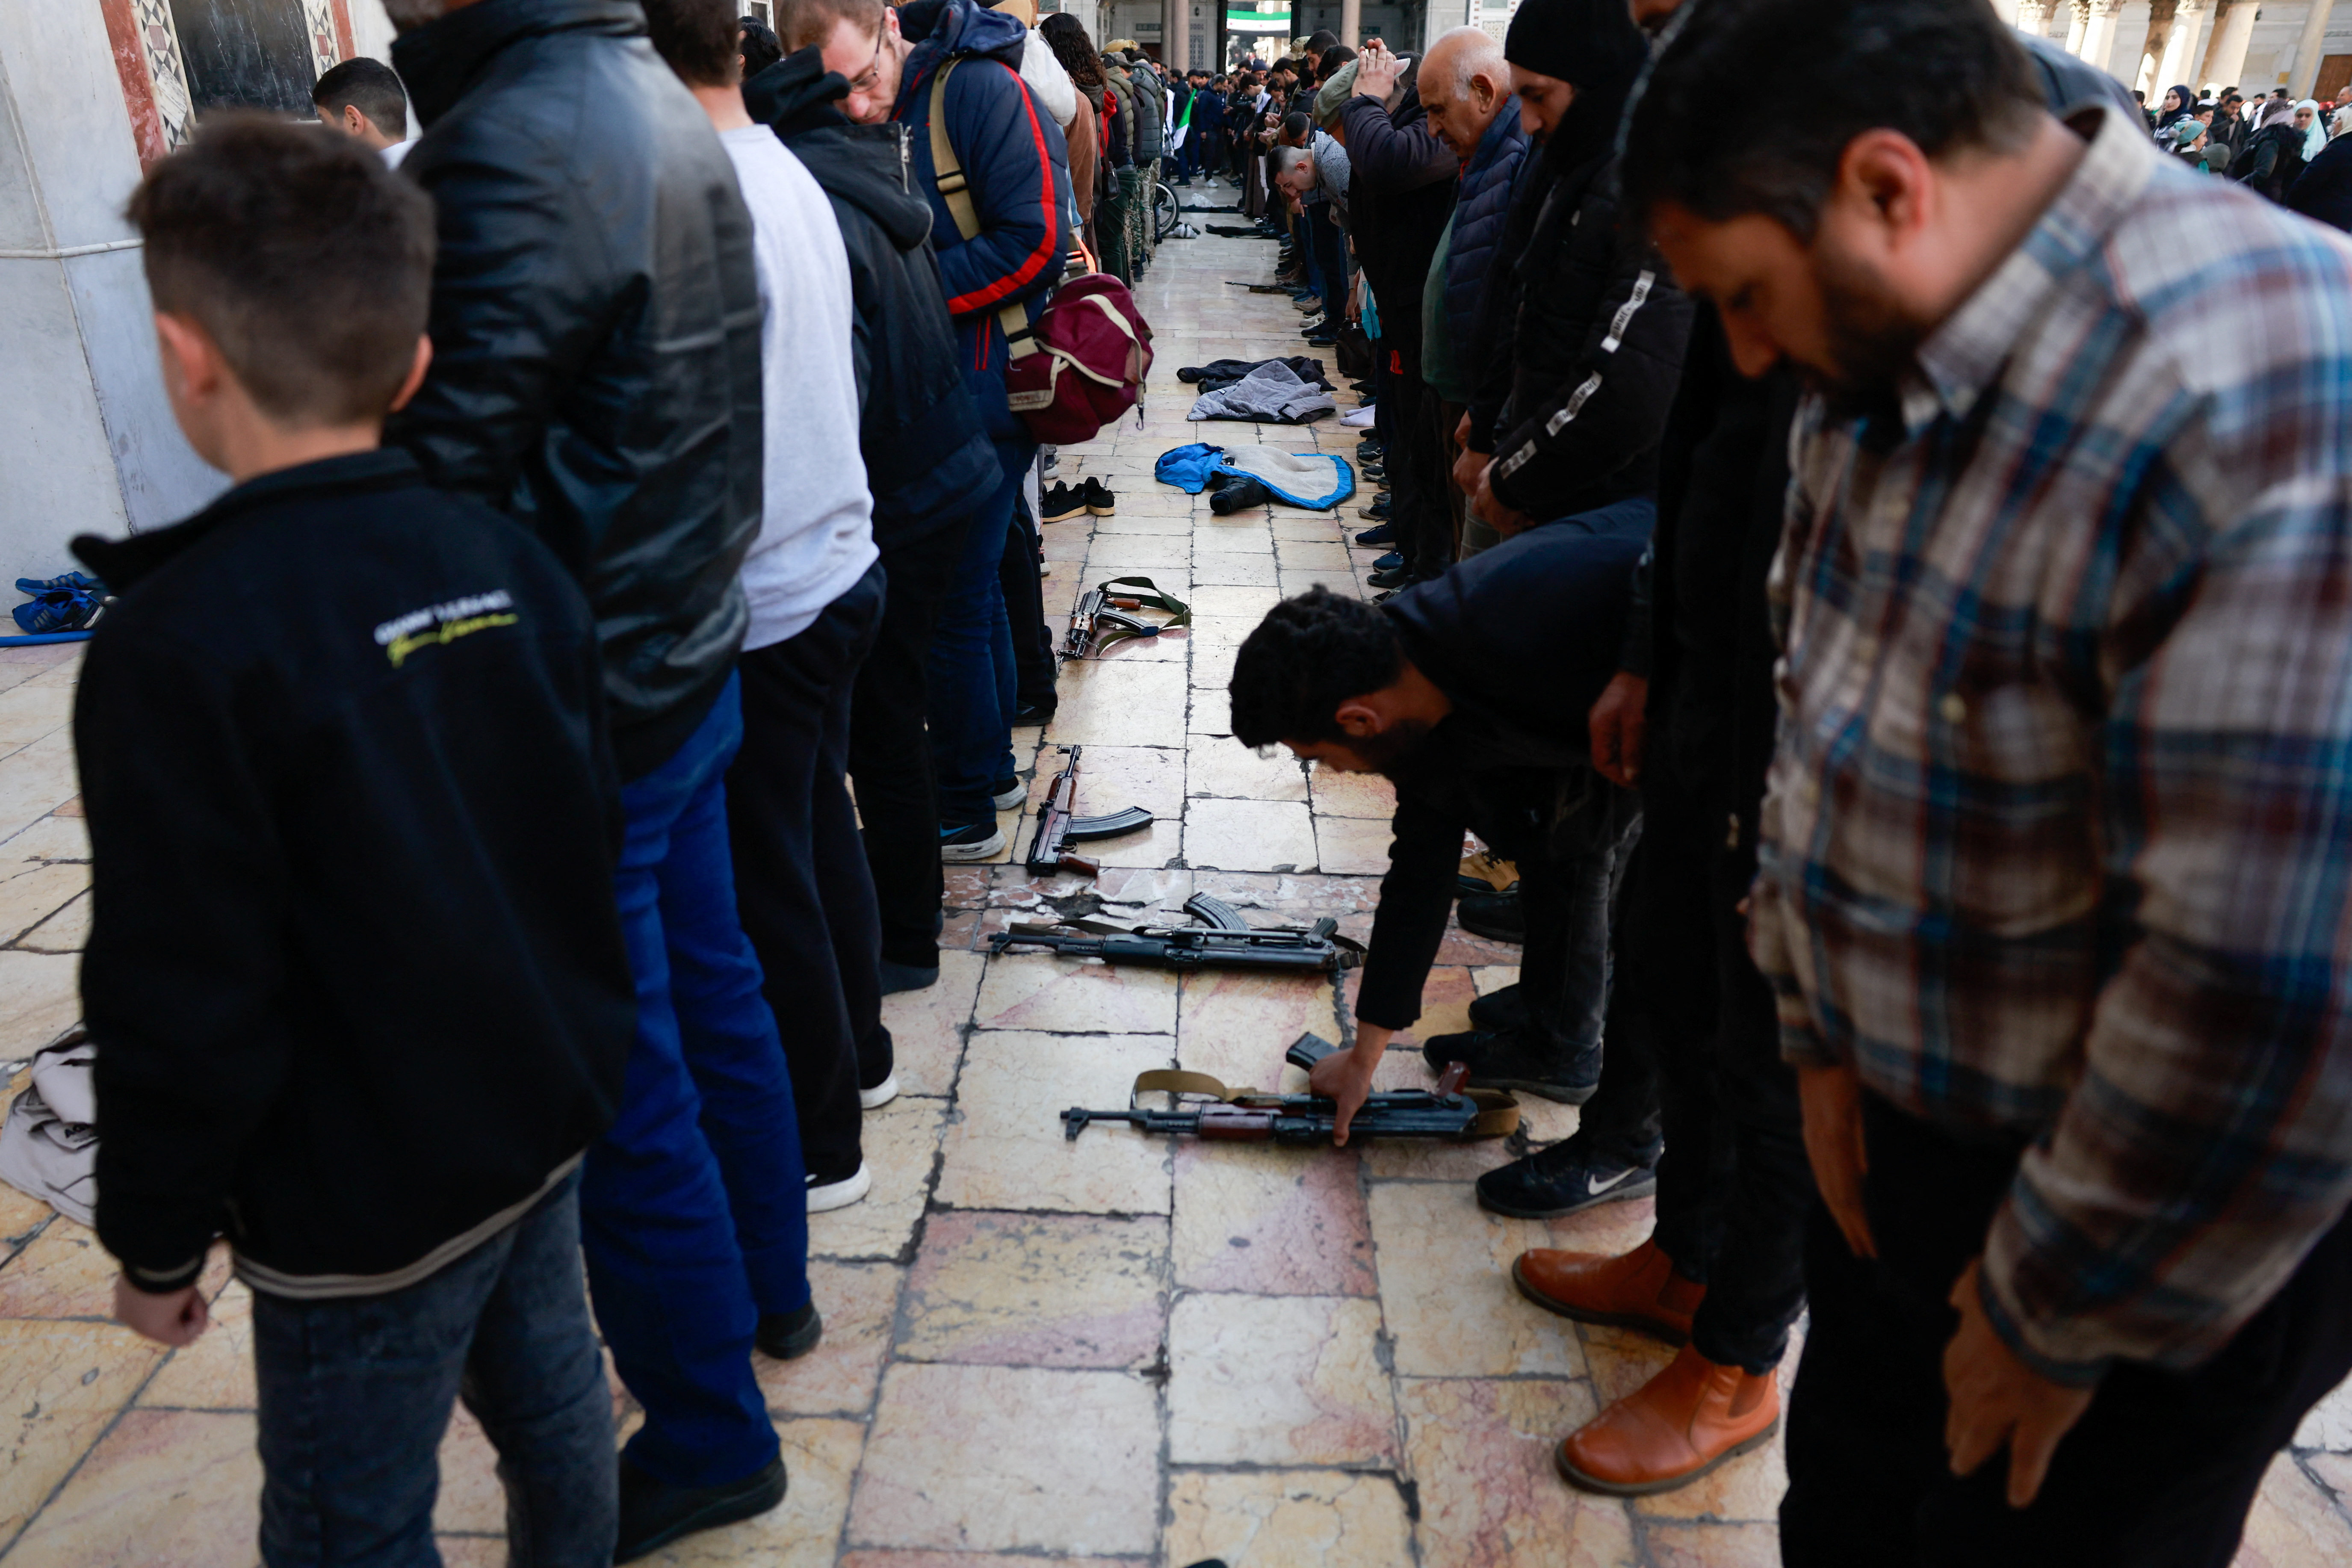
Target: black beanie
<point x="1580" y="42"/>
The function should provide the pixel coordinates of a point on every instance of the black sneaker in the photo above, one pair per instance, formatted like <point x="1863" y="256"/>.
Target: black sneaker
<point x="655" y="1513"/>
<point x="1378" y="512"/>
<point x="1061" y="502"/>
<point x="1029" y="714"/>
<point x="1396" y="577"/>
<point x="1375" y="473"/>
<point x="1562" y="1179"/>
<point x="1099" y="498"/>
<point x="1498" y="917"/>
<point x="1499" y="1058"/>
<point x="1377" y="536"/>
<point x="1392" y="561"/>
<point x="962" y="846"/>
<point x="1504" y="1007"/>
<point x="788" y="1336"/>
<point x="897" y="977"/>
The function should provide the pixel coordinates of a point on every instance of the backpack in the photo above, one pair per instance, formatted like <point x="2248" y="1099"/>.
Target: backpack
<point x="1082" y="364"/>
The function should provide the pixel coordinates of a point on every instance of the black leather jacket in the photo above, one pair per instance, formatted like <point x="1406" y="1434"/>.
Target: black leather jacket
<point x="927" y="456"/>
<point x="595" y="332"/>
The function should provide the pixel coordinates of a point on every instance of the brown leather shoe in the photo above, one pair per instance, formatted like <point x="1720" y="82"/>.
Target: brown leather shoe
<point x="1673" y="1429"/>
<point x="1639" y="1291"/>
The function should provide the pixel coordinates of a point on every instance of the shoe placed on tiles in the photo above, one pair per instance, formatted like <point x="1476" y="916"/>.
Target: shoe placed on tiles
<point x="1378" y="534"/>
<point x="1504" y="1007"/>
<point x="1397" y="578"/>
<point x="1392" y="561"/>
<point x="897" y="977"/>
<point x="71" y="583"/>
<point x="962" y="846"/>
<point x="1682" y="1423"/>
<point x="1048" y="459"/>
<point x="1378" y="512"/>
<point x="1099" y="498"/>
<point x="1370" y="449"/>
<point x="826" y="1194"/>
<point x="1008" y="794"/>
<point x="1314" y="323"/>
<point x="1061" y="502"/>
<point x="1508" y="1058"/>
<point x="1563" y="1178"/>
<point x="1485" y="872"/>
<point x="788" y="1336"/>
<point x="1374" y="473"/>
<point x="60" y="610"/>
<point x="1238" y="492"/>
<point x="1498" y="917"/>
<point x="1323" y="337"/>
<point x="1311" y="304"/>
<point x="1029" y="713"/>
<point x="880" y="1095"/>
<point x="1638" y="1290"/>
<point x="655" y="1513"/>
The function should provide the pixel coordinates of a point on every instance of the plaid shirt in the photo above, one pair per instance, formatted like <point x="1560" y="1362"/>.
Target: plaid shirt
<point x="2058" y="831"/>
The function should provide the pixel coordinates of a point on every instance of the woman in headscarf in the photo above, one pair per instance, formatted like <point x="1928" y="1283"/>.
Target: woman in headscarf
<point x="2314" y="134"/>
<point x="2276" y="156"/>
<point x="2178" y="104"/>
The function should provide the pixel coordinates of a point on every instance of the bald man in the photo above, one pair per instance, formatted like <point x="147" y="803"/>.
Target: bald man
<point x="1465" y="86"/>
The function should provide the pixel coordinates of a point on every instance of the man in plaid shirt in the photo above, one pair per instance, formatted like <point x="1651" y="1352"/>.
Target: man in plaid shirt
<point x="2055" y="846"/>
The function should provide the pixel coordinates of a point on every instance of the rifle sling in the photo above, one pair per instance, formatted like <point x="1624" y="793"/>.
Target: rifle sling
<point x="1498" y="1112"/>
<point x="1111" y="626"/>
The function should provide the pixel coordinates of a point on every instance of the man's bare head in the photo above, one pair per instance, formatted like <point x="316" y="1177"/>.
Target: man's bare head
<point x="857" y="38"/>
<point x="1464" y="83"/>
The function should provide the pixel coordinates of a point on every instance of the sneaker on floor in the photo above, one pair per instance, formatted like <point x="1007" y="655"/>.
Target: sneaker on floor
<point x="1008" y="795"/>
<point x="897" y="977"/>
<point x="1395" y="578"/>
<point x="880" y="1095"/>
<point x="839" y="1193"/>
<point x="1375" y="473"/>
<point x="1061" y="502"/>
<point x="1503" y="1009"/>
<point x="1323" y="338"/>
<point x="1376" y="536"/>
<point x="1563" y="1178"/>
<point x="1309" y="304"/>
<point x="655" y="1513"/>
<point x="962" y="846"/>
<point x="1313" y="323"/>
<point x="1392" y="561"/>
<point x="1485" y="872"/>
<point x="1029" y="714"/>
<point x="1099" y="499"/>
<point x="1357" y="418"/>
<point x="1506" y="1058"/>
<point x="1048" y="459"/>
<point x="788" y="1336"/>
<point x="1498" y="917"/>
<point x="1378" y="512"/>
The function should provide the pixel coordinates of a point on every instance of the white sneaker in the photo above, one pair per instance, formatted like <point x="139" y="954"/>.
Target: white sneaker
<point x="839" y="1194"/>
<point x="880" y="1095"/>
<point x="1017" y="795"/>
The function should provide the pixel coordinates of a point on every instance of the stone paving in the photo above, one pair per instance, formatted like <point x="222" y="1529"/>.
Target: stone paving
<point x="1124" y="1349"/>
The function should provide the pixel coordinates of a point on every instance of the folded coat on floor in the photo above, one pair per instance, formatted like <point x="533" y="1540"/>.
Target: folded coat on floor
<point x="1270" y="395"/>
<point x="1314" y="480"/>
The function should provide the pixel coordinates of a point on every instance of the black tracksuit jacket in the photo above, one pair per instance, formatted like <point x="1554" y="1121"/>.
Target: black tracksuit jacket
<point x="355" y="975"/>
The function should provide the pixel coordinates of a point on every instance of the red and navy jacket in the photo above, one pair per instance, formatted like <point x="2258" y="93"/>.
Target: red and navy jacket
<point x="1013" y="157"/>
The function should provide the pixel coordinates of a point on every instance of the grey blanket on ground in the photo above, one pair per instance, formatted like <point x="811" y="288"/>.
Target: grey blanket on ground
<point x="48" y="1146"/>
<point x="1270" y="395"/>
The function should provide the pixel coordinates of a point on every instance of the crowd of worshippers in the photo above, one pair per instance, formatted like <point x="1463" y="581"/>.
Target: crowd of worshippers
<point x="1882" y="585"/>
<point x="2294" y="153"/>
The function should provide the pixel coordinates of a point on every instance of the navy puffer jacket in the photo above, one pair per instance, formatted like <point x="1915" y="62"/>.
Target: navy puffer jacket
<point x="1480" y="207"/>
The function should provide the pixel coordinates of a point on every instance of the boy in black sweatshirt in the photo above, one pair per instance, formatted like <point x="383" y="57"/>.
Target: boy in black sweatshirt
<point x="356" y="976"/>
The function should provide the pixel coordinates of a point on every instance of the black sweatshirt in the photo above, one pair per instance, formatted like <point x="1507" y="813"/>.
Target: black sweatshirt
<point x="355" y="976"/>
<point x="1521" y="638"/>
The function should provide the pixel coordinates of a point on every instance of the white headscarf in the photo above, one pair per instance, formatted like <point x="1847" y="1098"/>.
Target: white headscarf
<point x="2314" y="135"/>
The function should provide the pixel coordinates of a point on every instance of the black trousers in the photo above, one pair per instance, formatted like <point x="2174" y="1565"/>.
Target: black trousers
<point x="802" y="884"/>
<point x="2158" y="1474"/>
<point x="1025" y="605"/>
<point x="890" y="752"/>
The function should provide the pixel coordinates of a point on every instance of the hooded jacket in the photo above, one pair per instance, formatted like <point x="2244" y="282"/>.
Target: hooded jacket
<point x="595" y="326"/>
<point x="1014" y="158"/>
<point x="1150" y="113"/>
<point x="1120" y="150"/>
<point x="355" y="975"/>
<point x="926" y="454"/>
<point x="1480" y="207"/>
<point x="1401" y="184"/>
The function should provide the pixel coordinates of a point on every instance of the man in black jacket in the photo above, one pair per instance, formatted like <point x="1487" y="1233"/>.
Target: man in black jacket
<point x="596" y="373"/>
<point x="925" y="457"/>
<point x="1432" y="689"/>
<point x="357" y="986"/>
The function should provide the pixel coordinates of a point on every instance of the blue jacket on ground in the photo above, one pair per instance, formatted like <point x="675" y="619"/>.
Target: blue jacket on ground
<point x="1014" y="158"/>
<point x="1480" y="207"/>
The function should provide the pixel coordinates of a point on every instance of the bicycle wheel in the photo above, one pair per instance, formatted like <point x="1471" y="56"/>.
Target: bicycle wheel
<point x="1164" y="211"/>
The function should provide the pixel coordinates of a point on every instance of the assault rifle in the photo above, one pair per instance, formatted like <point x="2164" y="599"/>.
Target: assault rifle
<point x="1099" y="619"/>
<point x="1202" y="1107"/>
<point x="1059" y="826"/>
<point x="1224" y="941"/>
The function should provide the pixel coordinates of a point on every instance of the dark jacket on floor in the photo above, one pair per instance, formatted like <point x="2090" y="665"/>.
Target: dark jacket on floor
<point x="1513" y="758"/>
<point x="595" y="333"/>
<point x="355" y="976"/>
<point x="925" y="454"/>
<point x="1481" y="205"/>
<point x="1013" y="158"/>
<point x="1583" y="348"/>
<point x="1401" y="181"/>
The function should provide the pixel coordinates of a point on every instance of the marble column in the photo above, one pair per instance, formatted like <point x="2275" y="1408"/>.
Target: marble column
<point x="2099" y="33"/>
<point x="1351" y="21"/>
<point x="2308" y="49"/>
<point x="2226" y="56"/>
<point x="2078" y="26"/>
<point x="2183" y="48"/>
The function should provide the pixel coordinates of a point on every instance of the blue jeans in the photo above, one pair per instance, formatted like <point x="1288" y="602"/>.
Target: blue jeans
<point x="694" y="1205"/>
<point x="355" y="1393"/>
<point x="974" y="683"/>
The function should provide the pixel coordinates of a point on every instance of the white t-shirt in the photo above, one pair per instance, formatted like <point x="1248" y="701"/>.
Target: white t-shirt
<point x="816" y="526"/>
<point x="392" y="154"/>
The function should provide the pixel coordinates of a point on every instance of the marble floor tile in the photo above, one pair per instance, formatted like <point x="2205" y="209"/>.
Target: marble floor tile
<point x="60" y="1385"/>
<point x="32" y="709"/>
<point x="926" y="1025"/>
<point x="40" y="999"/>
<point x="1281" y="1519"/>
<point x="1336" y="794"/>
<point x="1481" y="1452"/>
<point x="1250" y="603"/>
<point x="820" y="1456"/>
<point x="1025" y="1289"/>
<point x="991" y="1459"/>
<point x="1237" y="535"/>
<point x="901" y="1143"/>
<point x="859" y="1303"/>
<point x="1268" y="1221"/>
<point x="67" y="930"/>
<point x="216" y="1372"/>
<point x="1313" y="555"/>
<point x="33" y="891"/>
<point x="1137" y="522"/>
<point x="1353" y="846"/>
<point x="1223" y="631"/>
<point x="1249" y="836"/>
<point x="1714" y="1545"/>
<point x="39" y="778"/>
<point x="1066" y="542"/>
<point x="1212" y="672"/>
<point x="61" y="1273"/>
<point x="1277" y="1380"/>
<point x="56" y="836"/>
<point x="1069" y="995"/>
<point x="1444" y="1270"/>
<point x="1126" y="555"/>
<point x="1234" y="770"/>
<point x="1234" y="570"/>
<point x="166" y="1488"/>
<point x="1127" y="704"/>
<point x="1006" y="1148"/>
